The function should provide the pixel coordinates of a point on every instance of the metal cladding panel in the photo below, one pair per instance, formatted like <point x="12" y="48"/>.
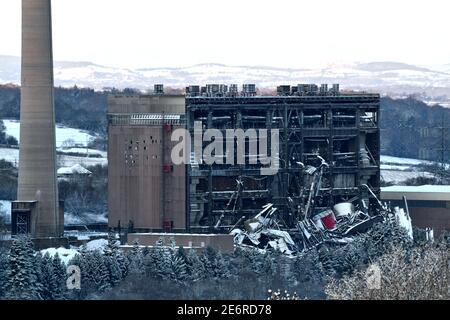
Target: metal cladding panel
<point x="37" y="164"/>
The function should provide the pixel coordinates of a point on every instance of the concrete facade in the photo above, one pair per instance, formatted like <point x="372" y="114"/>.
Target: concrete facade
<point x="37" y="164"/>
<point x="146" y="192"/>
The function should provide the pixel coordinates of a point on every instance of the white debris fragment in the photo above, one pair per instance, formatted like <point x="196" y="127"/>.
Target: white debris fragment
<point x="404" y="220"/>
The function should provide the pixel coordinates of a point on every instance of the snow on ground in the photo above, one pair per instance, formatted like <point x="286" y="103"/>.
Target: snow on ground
<point x="5" y="210"/>
<point x="394" y="167"/>
<point x="84" y="151"/>
<point x="404" y="161"/>
<point x="397" y="177"/>
<point x="98" y="244"/>
<point x="79" y="137"/>
<point x="417" y="189"/>
<point x="397" y="170"/>
<point x="76" y="169"/>
<point x="12" y="155"/>
<point x="84" y="235"/>
<point x="64" y="254"/>
<point x="69" y="161"/>
<point x="86" y="218"/>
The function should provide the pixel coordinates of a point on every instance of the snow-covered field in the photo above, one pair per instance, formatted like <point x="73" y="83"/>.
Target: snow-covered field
<point x="63" y="134"/>
<point x="402" y="161"/>
<point x="12" y="155"/>
<point x="399" y="177"/>
<point x="397" y="170"/>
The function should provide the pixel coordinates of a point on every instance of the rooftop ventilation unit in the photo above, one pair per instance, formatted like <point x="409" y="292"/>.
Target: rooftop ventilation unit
<point x="193" y="91"/>
<point x="249" y="90"/>
<point x="216" y="90"/>
<point x="233" y="90"/>
<point x="335" y="89"/>
<point x="284" y="90"/>
<point x="158" y="89"/>
<point x="308" y="89"/>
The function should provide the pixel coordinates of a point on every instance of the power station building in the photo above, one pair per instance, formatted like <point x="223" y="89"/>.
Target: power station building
<point x="146" y="191"/>
<point x="314" y="126"/>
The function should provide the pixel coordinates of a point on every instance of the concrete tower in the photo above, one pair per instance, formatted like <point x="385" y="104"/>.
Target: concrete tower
<point x="37" y="161"/>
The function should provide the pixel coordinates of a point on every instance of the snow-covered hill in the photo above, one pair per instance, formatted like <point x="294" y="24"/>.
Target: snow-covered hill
<point x="379" y="76"/>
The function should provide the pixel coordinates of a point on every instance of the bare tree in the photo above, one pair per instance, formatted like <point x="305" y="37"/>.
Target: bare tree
<point x="421" y="274"/>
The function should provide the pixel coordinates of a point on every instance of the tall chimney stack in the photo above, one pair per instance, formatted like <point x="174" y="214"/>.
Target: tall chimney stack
<point x="37" y="160"/>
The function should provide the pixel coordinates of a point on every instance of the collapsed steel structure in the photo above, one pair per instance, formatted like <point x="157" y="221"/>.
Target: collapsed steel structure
<point x="329" y="153"/>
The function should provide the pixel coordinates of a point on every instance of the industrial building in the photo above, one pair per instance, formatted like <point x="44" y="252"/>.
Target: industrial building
<point x="319" y="127"/>
<point x="341" y="128"/>
<point x="146" y="192"/>
<point x="428" y="206"/>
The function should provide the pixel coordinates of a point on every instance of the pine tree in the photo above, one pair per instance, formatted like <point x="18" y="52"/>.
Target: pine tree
<point x="146" y="251"/>
<point x="3" y="268"/>
<point x="123" y="264"/>
<point x="59" y="271"/>
<point x="222" y="267"/>
<point x="177" y="264"/>
<point x="215" y="265"/>
<point x="194" y="266"/>
<point x="112" y="246"/>
<point x="208" y="259"/>
<point x="39" y="273"/>
<point x="22" y="282"/>
<point x="114" y="260"/>
<point x="101" y="273"/>
<point x="135" y="258"/>
<point x="47" y="277"/>
<point x="115" y="274"/>
<point x="163" y="263"/>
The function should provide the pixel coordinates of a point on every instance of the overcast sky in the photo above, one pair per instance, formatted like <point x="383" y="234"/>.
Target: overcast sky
<point x="281" y="33"/>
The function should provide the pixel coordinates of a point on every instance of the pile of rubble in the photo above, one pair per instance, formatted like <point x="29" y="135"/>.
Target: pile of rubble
<point x="339" y="224"/>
